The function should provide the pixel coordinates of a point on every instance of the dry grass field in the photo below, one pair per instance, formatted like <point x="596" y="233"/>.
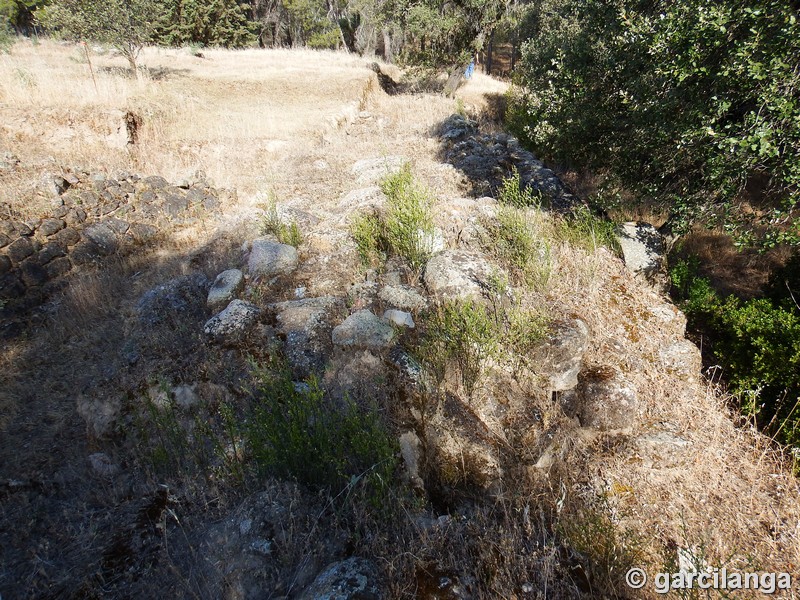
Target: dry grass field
<point x="288" y="126"/>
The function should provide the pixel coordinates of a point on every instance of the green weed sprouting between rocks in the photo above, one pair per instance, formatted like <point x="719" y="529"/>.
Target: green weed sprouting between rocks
<point x="515" y="240"/>
<point x="404" y="229"/>
<point x="289" y="430"/>
<point x="513" y="193"/>
<point x="287" y="233"/>
<point x="296" y="432"/>
<point x="466" y="333"/>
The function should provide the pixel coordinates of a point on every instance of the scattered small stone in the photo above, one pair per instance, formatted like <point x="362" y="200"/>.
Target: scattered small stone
<point x="51" y="226"/>
<point x="400" y="318"/>
<point x="185" y="396"/>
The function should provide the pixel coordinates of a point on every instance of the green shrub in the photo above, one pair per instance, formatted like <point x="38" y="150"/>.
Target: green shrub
<point x="757" y="344"/>
<point x="405" y="228"/>
<point x="513" y="193"/>
<point x="687" y="113"/>
<point x="514" y="242"/>
<point x="295" y="431"/>
<point x="367" y="231"/>
<point x="408" y="223"/>
<point x="584" y="229"/>
<point x="466" y="333"/>
<point x="272" y="224"/>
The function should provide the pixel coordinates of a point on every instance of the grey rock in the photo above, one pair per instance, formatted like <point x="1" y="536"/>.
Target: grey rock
<point x="411" y="450"/>
<point x="351" y="579"/>
<point x="225" y="287"/>
<point x="11" y="286"/>
<point x="5" y="264"/>
<point x="459" y="274"/>
<point x="67" y="237"/>
<point x="461" y="444"/>
<point x="185" y="396"/>
<point x="363" y="329"/>
<point x="177" y="301"/>
<point x="53" y="185"/>
<point x="4" y="240"/>
<point x="306" y="327"/>
<point x="103" y="237"/>
<point x="399" y="318"/>
<point x="100" y="414"/>
<point x="20" y="249"/>
<point x="102" y="464"/>
<point x="233" y="322"/>
<point x="603" y="400"/>
<point x="372" y="170"/>
<point x="643" y="250"/>
<point x="50" y="251"/>
<point x="682" y="358"/>
<point x="142" y="232"/>
<point x="156" y="182"/>
<point x="560" y="356"/>
<point x="268" y="258"/>
<point x="402" y="298"/>
<point x="50" y="227"/>
<point x="118" y="226"/>
<point x="58" y="267"/>
<point x="32" y="273"/>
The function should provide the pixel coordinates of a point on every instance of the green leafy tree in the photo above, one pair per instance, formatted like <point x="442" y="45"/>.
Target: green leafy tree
<point x="693" y="104"/>
<point x="443" y="34"/>
<point x="19" y="14"/>
<point x="215" y="23"/>
<point x="127" y="25"/>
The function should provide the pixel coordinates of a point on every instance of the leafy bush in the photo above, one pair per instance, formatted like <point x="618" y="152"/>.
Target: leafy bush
<point x="286" y="233"/>
<point x="584" y="229"/>
<point x="514" y="242"/>
<point x="296" y="431"/>
<point x="467" y="333"/>
<point x="689" y="112"/>
<point x="404" y="229"/>
<point x="513" y="193"/>
<point x="757" y="344"/>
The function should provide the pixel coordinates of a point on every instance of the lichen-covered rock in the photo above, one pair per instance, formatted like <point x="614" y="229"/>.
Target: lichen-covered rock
<point x="402" y="298"/>
<point x="603" y="400"/>
<point x="459" y="274"/>
<point x="682" y="358"/>
<point x="560" y="356"/>
<point x="225" y="287"/>
<point x="643" y="250"/>
<point x="100" y="414"/>
<point x="372" y="170"/>
<point x="269" y="258"/>
<point x="363" y="329"/>
<point x="351" y="579"/>
<point x="233" y="322"/>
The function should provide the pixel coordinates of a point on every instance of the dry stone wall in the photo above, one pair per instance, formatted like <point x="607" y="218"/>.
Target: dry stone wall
<point x="93" y="216"/>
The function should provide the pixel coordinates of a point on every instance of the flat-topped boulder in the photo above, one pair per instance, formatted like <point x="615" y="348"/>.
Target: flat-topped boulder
<point x="459" y="275"/>
<point x="363" y="329"/>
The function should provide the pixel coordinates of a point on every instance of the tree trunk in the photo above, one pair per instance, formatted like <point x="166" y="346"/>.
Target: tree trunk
<point x="388" y="55"/>
<point x="453" y="81"/>
<point x="489" y="50"/>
